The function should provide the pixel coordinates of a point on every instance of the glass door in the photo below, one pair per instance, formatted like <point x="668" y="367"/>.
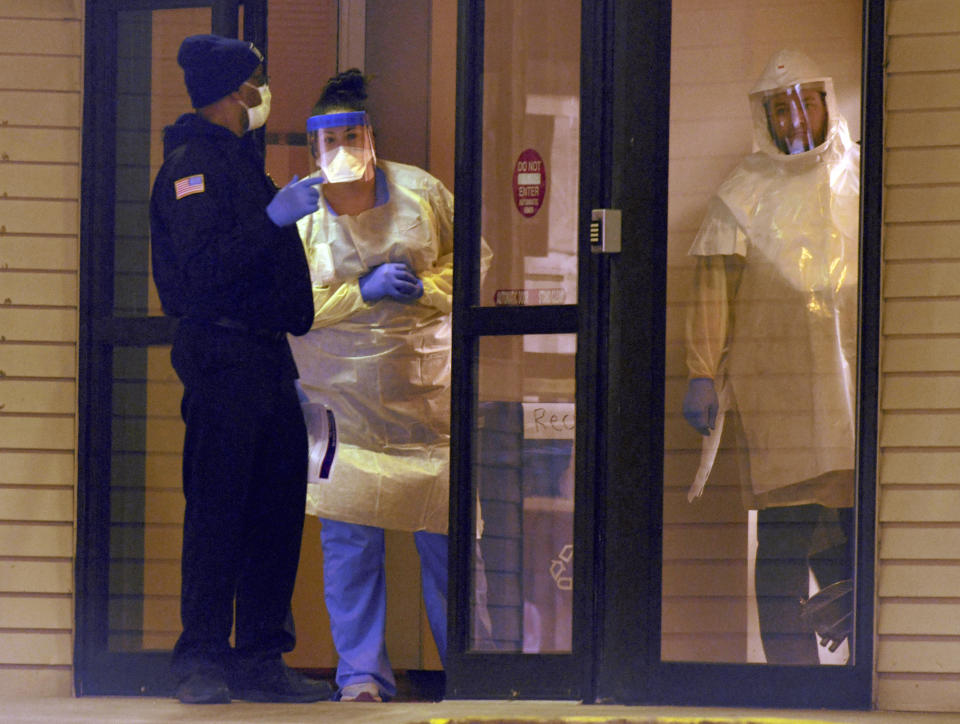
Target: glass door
<point x="130" y="504"/>
<point x="525" y="321"/>
<point x="571" y="451"/>
<point x="756" y="588"/>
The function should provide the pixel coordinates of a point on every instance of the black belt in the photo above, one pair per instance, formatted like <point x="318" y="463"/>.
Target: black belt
<point x="268" y="334"/>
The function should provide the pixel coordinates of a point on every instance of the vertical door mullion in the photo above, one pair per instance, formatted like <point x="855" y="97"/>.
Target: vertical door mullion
<point x="95" y="303"/>
<point x="468" y="164"/>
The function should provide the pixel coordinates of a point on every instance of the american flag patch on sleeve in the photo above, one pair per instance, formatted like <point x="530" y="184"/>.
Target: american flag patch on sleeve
<point x="188" y="185"/>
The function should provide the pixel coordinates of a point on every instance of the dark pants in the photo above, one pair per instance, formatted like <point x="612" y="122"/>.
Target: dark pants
<point x="244" y="480"/>
<point x="791" y="541"/>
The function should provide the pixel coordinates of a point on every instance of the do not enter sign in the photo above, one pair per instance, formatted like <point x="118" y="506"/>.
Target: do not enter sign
<point x="529" y="183"/>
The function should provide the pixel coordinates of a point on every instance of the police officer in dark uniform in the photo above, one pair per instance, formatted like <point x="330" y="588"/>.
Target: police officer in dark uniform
<point x="229" y="263"/>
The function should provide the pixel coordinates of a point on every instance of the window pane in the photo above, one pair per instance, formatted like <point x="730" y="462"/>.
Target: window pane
<point x="146" y="512"/>
<point x="146" y="500"/>
<point x="150" y="95"/>
<point x="531" y="151"/>
<point x="762" y="327"/>
<point x="523" y="468"/>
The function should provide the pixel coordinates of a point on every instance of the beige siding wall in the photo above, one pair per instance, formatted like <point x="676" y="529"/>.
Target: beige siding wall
<point x="40" y="76"/>
<point x="918" y="654"/>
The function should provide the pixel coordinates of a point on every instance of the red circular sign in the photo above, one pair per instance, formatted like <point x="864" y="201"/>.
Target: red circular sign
<point x="529" y="183"/>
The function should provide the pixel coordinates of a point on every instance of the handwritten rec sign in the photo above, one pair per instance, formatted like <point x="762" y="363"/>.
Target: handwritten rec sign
<point x="549" y="420"/>
<point x="529" y="183"/>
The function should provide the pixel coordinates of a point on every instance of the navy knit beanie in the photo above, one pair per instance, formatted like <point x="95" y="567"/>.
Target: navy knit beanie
<point x="214" y="67"/>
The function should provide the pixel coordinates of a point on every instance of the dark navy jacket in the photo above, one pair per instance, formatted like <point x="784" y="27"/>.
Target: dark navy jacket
<point x="217" y="255"/>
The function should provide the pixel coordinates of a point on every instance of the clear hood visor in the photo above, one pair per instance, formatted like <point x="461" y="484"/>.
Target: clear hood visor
<point x="797" y="116"/>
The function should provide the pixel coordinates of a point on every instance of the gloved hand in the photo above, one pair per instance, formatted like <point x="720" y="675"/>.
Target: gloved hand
<point x="700" y="404"/>
<point x="390" y="279"/>
<point x="295" y="200"/>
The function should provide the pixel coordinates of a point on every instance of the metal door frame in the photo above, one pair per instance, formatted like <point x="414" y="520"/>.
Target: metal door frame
<point x="514" y="675"/>
<point x="97" y="670"/>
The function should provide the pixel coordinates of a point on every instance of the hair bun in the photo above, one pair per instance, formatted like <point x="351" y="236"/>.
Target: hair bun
<point x="345" y="90"/>
<point x="351" y="81"/>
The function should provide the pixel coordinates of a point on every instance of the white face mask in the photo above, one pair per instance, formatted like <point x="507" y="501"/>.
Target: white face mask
<point x="797" y="145"/>
<point x="345" y="163"/>
<point x="257" y="116"/>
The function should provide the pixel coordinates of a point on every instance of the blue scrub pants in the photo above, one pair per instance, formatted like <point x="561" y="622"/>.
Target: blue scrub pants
<point x="355" y="591"/>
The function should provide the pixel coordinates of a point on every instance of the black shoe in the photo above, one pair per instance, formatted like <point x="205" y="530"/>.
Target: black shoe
<point x="829" y="613"/>
<point x="274" y="682"/>
<point x="203" y="687"/>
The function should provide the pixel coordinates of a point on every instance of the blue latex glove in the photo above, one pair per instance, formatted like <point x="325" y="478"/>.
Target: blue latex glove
<point x="700" y="405"/>
<point x="390" y="279"/>
<point x="295" y="200"/>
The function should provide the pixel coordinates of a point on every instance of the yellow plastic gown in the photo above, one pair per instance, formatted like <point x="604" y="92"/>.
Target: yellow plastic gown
<point x="383" y="368"/>
<point x="774" y="319"/>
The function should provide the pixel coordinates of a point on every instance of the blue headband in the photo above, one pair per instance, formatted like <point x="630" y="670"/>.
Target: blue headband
<point x="333" y="120"/>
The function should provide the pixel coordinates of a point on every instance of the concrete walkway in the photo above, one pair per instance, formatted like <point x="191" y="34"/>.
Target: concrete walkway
<point x="137" y="710"/>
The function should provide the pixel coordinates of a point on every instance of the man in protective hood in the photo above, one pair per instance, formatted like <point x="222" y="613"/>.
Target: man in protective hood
<point x="772" y="336"/>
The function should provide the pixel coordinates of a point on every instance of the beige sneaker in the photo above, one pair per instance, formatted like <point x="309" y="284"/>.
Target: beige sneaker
<point x="366" y="691"/>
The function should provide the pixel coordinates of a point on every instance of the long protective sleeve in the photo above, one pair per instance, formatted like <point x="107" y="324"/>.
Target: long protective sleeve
<point x="333" y="303"/>
<point x="438" y="282"/>
<point x="438" y="285"/>
<point x="708" y="318"/>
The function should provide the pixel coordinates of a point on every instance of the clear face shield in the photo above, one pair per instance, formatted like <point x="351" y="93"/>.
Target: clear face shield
<point x="797" y="116"/>
<point x="342" y="146"/>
